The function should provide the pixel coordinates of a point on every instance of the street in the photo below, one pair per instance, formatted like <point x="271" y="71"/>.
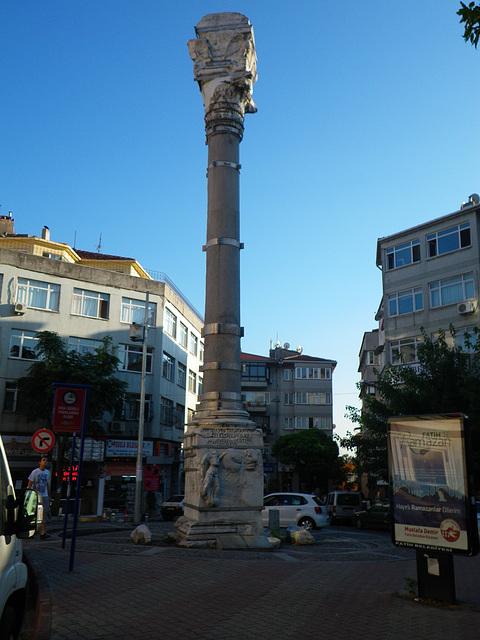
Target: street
<point x="327" y="590"/>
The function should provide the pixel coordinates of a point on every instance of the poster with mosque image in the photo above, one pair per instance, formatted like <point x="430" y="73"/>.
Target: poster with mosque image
<point x="431" y="501"/>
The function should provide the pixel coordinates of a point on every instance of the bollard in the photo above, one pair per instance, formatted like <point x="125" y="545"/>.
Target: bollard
<point x="274" y="519"/>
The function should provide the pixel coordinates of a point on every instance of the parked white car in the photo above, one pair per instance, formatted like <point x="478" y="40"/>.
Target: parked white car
<point x="302" y="509"/>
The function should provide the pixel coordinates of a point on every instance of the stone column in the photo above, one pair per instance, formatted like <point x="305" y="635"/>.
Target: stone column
<point x="222" y="446"/>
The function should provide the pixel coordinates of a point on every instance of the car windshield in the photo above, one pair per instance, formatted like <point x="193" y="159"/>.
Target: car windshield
<point x="175" y="499"/>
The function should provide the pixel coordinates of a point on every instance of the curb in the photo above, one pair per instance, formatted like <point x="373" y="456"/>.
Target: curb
<point x="43" y="600"/>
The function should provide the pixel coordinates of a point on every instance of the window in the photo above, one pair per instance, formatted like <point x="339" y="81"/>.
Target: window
<point x="180" y="416"/>
<point x="168" y="370"/>
<point x="183" y="335"/>
<point x="405" y="302"/>
<point x="90" y="303"/>
<point x="170" y="323"/>
<point x="288" y="423"/>
<point x="182" y="375"/>
<point x="313" y="422"/>
<point x="288" y="374"/>
<point x="83" y="345"/>
<point x="167" y="415"/>
<point x="448" y="240"/>
<point x="302" y="397"/>
<point x="372" y="359"/>
<point x="256" y="398"/>
<point x="312" y="373"/>
<point x="192" y="381"/>
<point x="23" y="345"/>
<point x="131" y="407"/>
<point x="134" y="311"/>
<point x="466" y="339"/>
<point x="190" y="415"/>
<point x="38" y="295"/>
<point x="288" y="398"/>
<point x="255" y="372"/>
<point x="12" y="400"/>
<point x="404" y="351"/>
<point x="201" y="351"/>
<point x="403" y="254"/>
<point x="130" y="357"/>
<point x="200" y="385"/>
<point x="193" y="344"/>
<point x="451" y="290"/>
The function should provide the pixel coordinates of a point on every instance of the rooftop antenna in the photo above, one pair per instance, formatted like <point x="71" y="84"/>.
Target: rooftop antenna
<point x="74" y="239"/>
<point x="99" y="243"/>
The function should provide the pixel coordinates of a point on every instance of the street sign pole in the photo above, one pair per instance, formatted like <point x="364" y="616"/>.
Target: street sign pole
<point x="79" y="478"/>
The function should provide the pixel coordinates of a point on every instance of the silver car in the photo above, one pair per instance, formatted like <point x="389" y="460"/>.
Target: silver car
<point x="302" y="509"/>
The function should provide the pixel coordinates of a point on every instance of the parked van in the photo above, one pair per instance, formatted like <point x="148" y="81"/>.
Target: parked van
<point x="18" y="519"/>
<point x="341" y="505"/>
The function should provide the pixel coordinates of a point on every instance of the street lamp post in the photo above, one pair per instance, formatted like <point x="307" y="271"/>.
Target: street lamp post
<point x="139" y="466"/>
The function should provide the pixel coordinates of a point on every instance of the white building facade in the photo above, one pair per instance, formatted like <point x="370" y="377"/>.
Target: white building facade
<point x="285" y="393"/>
<point x="430" y="280"/>
<point x="83" y="297"/>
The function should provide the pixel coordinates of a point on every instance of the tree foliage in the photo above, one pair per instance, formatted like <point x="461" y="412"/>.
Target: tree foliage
<point x="57" y="364"/>
<point x="313" y="453"/>
<point x="470" y="16"/>
<point x="447" y="380"/>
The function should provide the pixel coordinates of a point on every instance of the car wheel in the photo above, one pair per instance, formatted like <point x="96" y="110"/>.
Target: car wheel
<point x="306" y="523"/>
<point x="7" y="624"/>
<point x="359" y="524"/>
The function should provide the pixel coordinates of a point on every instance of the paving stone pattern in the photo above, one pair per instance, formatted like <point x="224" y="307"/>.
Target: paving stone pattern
<point x="347" y="585"/>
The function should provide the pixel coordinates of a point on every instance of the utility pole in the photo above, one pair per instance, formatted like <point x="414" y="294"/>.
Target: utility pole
<point x="141" y="419"/>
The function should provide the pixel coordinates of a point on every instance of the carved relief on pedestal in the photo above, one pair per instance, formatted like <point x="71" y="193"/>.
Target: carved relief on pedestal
<point x="225" y="65"/>
<point x="225" y="476"/>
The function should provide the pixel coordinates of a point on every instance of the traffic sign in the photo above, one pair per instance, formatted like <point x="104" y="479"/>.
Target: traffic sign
<point x="43" y="440"/>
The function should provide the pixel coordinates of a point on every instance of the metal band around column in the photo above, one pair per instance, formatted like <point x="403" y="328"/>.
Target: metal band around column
<point x="231" y="241"/>
<point x="225" y="163"/>
<point x="231" y="366"/>
<point x="218" y="327"/>
<point x="221" y="395"/>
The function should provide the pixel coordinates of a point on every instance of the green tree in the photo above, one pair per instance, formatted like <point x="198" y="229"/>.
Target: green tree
<point x="470" y="16"/>
<point x="447" y="380"/>
<point x="314" y="454"/>
<point x="57" y="364"/>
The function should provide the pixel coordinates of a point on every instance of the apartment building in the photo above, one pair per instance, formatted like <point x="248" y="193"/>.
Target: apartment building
<point x="430" y="279"/>
<point x="284" y="393"/>
<point x="83" y="296"/>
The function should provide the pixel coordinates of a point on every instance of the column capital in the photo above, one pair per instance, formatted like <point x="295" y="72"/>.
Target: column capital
<point x="225" y="67"/>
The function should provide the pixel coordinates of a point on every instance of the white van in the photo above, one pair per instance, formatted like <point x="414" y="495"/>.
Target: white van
<point x="16" y="521"/>
<point x="342" y="505"/>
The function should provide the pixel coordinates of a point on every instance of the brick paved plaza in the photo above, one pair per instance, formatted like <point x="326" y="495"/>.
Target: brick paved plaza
<point x="349" y="584"/>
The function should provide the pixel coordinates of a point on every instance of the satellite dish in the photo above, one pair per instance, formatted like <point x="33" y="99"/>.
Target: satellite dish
<point x="286" y="345"/>
<point x="299" y="349"/>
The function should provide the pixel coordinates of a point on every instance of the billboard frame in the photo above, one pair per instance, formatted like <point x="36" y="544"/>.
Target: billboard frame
<point x="432" y="490"/>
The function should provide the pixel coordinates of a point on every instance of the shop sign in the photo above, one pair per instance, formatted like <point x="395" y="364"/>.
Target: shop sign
<point x="19" y="446"/>
<point x="431" y="495"/>
<point x="127" y="448"/>
<point x="120" y="470"/>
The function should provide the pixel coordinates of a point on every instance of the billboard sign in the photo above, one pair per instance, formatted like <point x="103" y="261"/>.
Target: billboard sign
<point x="433" y="505"/>
<point x="68" y="408"/>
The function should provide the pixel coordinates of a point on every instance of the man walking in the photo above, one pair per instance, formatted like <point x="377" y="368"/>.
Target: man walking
<point x="39" y="480"/>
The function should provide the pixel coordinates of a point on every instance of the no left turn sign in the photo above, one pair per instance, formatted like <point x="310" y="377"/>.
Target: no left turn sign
<point x="43" y="440"/>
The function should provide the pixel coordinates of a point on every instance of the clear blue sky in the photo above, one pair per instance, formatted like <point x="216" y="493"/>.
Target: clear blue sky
<point x="367" y="124"/>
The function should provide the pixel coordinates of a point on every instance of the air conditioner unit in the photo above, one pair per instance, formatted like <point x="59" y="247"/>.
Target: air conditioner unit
<point x="20" y="308"/>
<point x="117" y="427"/>
<point x="466" y="307"/>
